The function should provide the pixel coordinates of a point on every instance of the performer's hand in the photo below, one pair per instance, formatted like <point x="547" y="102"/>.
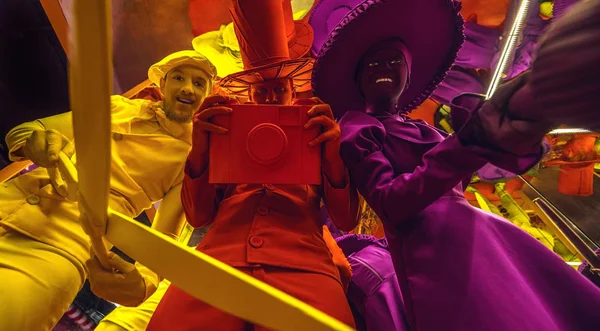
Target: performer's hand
<point x="124" y="284"/>
<point x="501" y="123"/>
<point x="321" y="115"/>
<point x="43" y="147"/>
<point x="212" y="106"/>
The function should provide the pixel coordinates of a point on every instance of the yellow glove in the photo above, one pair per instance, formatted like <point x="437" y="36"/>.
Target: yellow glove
<point x="125" y="284"/>
<point x="43" y="146"/>
<point x="547" y="9"/>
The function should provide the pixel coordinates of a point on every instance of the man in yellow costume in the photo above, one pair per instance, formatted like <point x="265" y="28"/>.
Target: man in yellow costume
<point x="43" y="248"/>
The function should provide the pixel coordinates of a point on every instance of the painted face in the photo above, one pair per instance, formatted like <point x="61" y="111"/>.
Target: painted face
<point x="383" y="72"/>
<point x="184" y="89"/>
<point x="275" y="92"/>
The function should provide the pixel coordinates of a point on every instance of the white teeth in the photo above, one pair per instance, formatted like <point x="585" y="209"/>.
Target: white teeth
<point x="379" y="80"/>
<point x="186" y="101"/>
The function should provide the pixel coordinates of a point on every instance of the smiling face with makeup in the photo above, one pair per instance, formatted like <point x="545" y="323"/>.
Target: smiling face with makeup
<point x="383" y="75"/>
<point x="184" y="88"/>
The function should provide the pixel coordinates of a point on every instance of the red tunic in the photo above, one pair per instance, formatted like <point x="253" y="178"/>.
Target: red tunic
<point x="274" y="228"/>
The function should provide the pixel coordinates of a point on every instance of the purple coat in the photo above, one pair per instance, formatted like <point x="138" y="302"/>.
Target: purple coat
<point x="586" y="270"/>
<point x="374" y="293"/>
<point x="459" y="268"/>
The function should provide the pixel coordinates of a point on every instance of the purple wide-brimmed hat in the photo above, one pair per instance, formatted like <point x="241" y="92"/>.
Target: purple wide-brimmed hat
<point x="325" y="16"/>
<point x="432" y="30"/>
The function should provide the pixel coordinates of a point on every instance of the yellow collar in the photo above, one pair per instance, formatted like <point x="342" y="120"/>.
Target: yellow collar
<point x="153" y="111"/>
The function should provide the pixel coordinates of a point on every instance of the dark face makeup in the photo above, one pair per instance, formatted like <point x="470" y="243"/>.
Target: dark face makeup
<point x="383" y="73"/>
<point x="276" y="92"/>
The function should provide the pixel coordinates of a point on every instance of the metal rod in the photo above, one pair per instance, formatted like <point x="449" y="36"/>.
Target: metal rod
<point x="582" y="247"/>
<point x="568" y="131"/>
<point x="558" y="212"/>
<point x="567" y="228"/>
<point x="507" y="51"/>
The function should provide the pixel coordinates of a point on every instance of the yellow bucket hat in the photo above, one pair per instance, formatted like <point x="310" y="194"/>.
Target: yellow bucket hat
<point x="191" y="58"/>
<point x="221" y="48"/>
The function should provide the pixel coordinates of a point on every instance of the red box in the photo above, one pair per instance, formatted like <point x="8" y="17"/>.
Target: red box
<point x="265" y="144"/>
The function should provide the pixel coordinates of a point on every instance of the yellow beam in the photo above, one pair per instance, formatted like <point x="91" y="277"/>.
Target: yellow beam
<point x="58" y="21"/>
<point x="12" y="170"/>
<point x="137" y="89"/>
<point x="90" y="87"/>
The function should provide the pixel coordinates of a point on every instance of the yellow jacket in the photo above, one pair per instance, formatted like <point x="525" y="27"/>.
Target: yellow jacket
<point x="148" y="154"/>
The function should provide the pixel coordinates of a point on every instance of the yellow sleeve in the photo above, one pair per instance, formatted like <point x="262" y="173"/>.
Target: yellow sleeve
<point x="15" y="139"/>
<point x="169" y="218"/>
<point x="121" y="108"/>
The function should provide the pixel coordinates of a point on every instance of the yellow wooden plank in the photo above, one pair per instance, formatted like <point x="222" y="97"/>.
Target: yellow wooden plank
<point x="90" y="85"/>
<point x="12" y="170"/>
<point x="57" y="19"/>
<point x="137" y="89"/>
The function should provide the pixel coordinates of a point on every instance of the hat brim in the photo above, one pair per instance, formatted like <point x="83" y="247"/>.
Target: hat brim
<point x="298" y="69"/>
<point x="431" y="29"/>
<point x="158" y="71"/>
<point x="228" y="62"/>
<point x="303" y="41"/>
<point x="321" y="18"/>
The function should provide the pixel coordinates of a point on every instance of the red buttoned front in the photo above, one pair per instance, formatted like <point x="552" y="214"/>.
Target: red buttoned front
<point x="262" y="211"/>
<point x="256" y="242"/>
<point x="274" y="225"/>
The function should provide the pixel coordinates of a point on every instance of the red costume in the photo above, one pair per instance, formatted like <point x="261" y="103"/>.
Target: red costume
<point x="272" y="232"/>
